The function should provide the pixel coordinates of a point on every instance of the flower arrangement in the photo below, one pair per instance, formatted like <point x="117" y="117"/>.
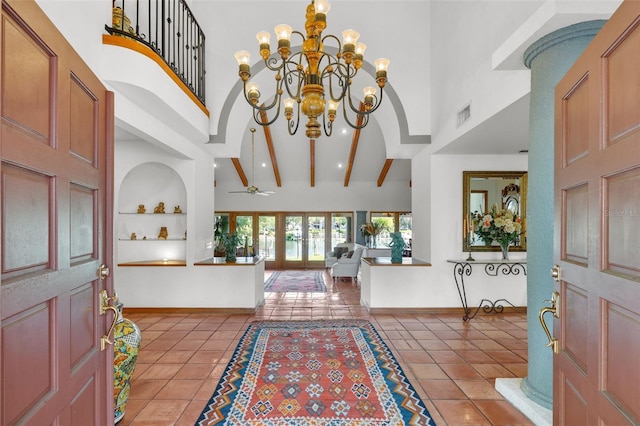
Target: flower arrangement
<point x="502" y="226"/>
<point x="371" y="228"/>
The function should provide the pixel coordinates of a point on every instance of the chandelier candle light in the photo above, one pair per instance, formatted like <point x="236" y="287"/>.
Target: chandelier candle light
<point x="304" y="73"/>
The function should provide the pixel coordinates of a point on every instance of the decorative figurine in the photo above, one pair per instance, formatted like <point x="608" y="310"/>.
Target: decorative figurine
<point x="177" y="210"/>
<point x="133" y="236"/>
<point x="397" y="246"/>
<point x="144" y="238"/>
<point x="163" y="233"/>
<point x="141" y="209"/>
<point x="159" y="208"/>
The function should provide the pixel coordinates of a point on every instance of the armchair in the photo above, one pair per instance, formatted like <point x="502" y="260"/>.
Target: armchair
<point x="348" y="266"/>
<point x="331" y="257"/>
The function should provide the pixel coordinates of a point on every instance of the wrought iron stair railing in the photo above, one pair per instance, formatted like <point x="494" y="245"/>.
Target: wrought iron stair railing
<point x="169" y="28"/>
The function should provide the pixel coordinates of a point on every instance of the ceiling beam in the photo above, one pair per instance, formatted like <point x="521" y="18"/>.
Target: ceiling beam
<point x="312" y="161"/>
<point x="384" y="171"/>
<point x="241" y="175"/>
<point x="354" y="147"/>
<point x="272" y="151"/>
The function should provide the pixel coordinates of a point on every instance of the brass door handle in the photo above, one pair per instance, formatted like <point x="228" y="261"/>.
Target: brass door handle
<point x="554" y="309"/>
<point x="104" y="307"/>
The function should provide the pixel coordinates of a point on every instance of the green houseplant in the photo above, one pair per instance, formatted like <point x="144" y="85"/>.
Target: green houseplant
<point x="230" y="242"/>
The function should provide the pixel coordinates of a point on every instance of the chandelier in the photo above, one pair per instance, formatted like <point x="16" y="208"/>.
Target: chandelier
<point x="313" y="77"/>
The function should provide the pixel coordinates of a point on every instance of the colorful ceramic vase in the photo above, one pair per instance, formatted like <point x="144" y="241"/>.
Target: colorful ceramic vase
<point x="126" y="342"/>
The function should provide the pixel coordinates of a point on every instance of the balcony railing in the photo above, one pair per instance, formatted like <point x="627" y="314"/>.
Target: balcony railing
<point x="169" y="28"/>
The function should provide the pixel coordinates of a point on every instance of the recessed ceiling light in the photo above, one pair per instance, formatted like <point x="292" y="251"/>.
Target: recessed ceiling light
<point x="215" y="164"/>
<point x="339" y="165"/>
<point x="264" y="164"/>
<point x="344" y="131"/>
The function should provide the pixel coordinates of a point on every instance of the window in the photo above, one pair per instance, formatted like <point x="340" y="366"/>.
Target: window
<point x="394" y="222"/>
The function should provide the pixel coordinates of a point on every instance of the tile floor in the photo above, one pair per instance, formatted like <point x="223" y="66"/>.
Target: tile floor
<point x="451" y="364"/>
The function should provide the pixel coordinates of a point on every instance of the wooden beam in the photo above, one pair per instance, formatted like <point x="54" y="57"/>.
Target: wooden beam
<point x="241" y="175"/>
<point x="272" y="152"/>
<point x="354" y="147"/>
<point x="384" y="171"/>
<point x="312" y="161"/>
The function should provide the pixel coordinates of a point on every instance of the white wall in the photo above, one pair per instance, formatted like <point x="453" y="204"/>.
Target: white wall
<point x="325" y="196"/>
<point x="437" y="228"/>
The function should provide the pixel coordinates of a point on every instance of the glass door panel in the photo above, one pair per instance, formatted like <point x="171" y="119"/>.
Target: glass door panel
<point x="293" y="241"/>
<point x="244" y="228"/>
<point x="266" y="242"/>
<point x="316" y="231"/>
<point x="341" y="224"/>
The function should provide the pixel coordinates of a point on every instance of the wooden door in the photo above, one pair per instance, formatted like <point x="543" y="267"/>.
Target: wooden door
<point x="597" y="225"/>
<point x="56" y="143"/>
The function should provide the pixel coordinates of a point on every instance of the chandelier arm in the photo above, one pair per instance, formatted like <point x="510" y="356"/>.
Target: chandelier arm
<point x="328" y="128"/>
<point x="333" y="37"/>
<point x="363" y="114"/>
<point x="257" y="107"/>
<point x="257" y="116"/>
<point x="289" y="78"/>
<point x="292" y="124"/>
<point x="341" y="82"/>
<point x="273" y="64"/>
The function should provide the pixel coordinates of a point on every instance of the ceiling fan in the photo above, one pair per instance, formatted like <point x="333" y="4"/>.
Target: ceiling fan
<point x="252" y="189"/>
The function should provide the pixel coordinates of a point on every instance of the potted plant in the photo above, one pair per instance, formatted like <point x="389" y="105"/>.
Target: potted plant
<point x="230" y="242"/>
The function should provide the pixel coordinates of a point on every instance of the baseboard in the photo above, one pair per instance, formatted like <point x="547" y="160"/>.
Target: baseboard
<point x="222" y="311"/>
<point x="452" y="311"/>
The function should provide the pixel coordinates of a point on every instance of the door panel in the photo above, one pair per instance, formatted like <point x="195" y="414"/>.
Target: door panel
<point x="293" y="241"/>
<point x="597" y="195"/>
<point x="55" y="144"/>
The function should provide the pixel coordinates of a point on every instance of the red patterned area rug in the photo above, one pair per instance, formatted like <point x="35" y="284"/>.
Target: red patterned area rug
<point x="320" y="373"/>
<point x="301" y="281"/>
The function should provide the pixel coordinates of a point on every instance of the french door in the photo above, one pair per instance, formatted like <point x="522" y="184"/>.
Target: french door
<point x="303" y="240"/>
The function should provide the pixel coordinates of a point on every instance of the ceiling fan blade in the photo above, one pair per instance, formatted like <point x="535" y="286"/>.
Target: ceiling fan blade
<point x="262" y="193"/>
<point x="239" y="192"/>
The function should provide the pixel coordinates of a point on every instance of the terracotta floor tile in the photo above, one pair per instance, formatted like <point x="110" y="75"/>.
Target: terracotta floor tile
<point x="160" y="413"/>
<point x="428" y="371"/>
<point x="446" y="357"/>
<point x="478" y="389"/>
<point x="160" y="344"/>
<point x="194" y="371"/>
<point x="460" y="412"/>
<point x="160" y="371"/>
<point x="460" y="371"/>
<point x="504" y="356"/>
<point x="174" y="334"/>
<point x="475" y="357"/>
<point x="441" y="389"/>
<point x="492" y="371"/>
<point x="175" y="357"/>
<point x="451" y="363"/>
<point x="180" y="389"/>
<point x="145" y="389"/>
<point x="502" y="413"/>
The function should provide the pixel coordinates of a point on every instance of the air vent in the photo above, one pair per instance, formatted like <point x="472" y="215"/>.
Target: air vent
<point x="463" y="115"/>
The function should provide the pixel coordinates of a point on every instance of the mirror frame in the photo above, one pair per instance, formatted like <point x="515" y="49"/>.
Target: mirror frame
<point x="466" y="194"/>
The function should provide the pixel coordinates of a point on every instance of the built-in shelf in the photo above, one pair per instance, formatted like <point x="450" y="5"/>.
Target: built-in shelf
<point x="149" y="185"/>
<point x="158" y="262"/>
<point x="151" y="239"/>
<point x="154" y="214"/>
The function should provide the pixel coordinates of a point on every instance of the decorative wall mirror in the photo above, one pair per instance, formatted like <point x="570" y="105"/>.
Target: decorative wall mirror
<point x="483" y="189"/>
